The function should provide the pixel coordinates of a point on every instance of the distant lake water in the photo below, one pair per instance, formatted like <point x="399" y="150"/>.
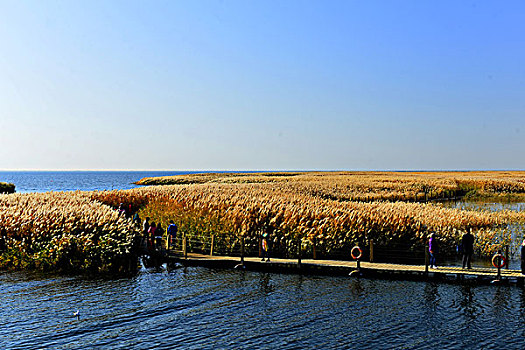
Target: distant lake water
<point x="45" y="181"/>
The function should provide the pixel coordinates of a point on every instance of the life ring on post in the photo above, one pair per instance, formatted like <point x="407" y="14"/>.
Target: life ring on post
<point x="353" y="253"/>
<point x="502" y="261"/>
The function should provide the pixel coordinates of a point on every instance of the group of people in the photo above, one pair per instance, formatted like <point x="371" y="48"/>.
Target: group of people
<point x="466" y="248"/>
<point x="153" y="233"/>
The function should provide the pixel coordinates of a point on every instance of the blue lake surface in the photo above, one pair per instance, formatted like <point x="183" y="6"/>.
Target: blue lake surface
<point x="45" y="181"/>
<point x="199" y="308"/>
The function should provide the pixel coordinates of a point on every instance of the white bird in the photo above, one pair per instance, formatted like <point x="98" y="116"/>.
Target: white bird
<point x="77" y="314"/>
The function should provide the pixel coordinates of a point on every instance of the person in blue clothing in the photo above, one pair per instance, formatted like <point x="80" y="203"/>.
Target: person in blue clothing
<point x="136" y="219"/>
<point x="433" y="250"/>
<point x="172" y="233"/>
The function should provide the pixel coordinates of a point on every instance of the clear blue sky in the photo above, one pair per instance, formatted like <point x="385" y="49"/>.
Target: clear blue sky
<point x="261" y="85"/>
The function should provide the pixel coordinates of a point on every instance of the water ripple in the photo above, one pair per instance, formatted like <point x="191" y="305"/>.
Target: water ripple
<point x="196" y="308"/>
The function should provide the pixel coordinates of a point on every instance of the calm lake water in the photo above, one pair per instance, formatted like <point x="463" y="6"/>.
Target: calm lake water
<point x="45" y="181"/>
<point x="198" y="308"/>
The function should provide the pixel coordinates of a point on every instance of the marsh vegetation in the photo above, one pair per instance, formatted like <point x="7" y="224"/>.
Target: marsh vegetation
<point x="329" y="210"/>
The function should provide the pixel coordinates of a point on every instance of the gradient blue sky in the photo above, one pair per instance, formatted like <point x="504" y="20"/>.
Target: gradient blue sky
<point x="261" y="85"/>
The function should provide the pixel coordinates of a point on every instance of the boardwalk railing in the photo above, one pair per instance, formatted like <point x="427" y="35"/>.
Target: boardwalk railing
<point x="238" y="246"/>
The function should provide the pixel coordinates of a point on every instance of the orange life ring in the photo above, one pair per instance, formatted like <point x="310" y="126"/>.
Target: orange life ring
<point x="360" y="253"/>
<point x="502" y="260"/>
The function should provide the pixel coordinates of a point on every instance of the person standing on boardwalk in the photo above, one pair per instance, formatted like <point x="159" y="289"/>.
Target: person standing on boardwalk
<point x="151" y="236"/>
<point x="265" y="245"/>
<point x="467" y="242"/>
<point x="172" y="233"/>
<point x="136" y="219"/>
<point x="523" y="257"/>
<point x="433" y="250"/>
<point x="159" y="233"/>
<point x="122" y="210"/>
<point x="145" y="232"/>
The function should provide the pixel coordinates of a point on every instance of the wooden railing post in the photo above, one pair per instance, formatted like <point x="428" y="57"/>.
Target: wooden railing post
<point x="299" y="252"/>
<point x="185" y="246"/>
<point x="371" y="250"/>
<point x="260" y="247"/>
<point x="507" y="257"/>
<point x="212" y="244"/>
<point x="426" y="258"/>
<point x="242" y="250"/>
<point x="315" y="251"/>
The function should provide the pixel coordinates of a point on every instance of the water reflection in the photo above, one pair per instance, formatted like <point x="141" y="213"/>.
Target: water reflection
<point x="206" y="309"/>
<point x="356" y="288"/>
<point x="502" y="298"/>
<point x="467" y="302"/>
<point x="522" y="310"/>
<point x="299" y="283"/>
<point x="431" y="295"/>
<point x="264" y="284"/>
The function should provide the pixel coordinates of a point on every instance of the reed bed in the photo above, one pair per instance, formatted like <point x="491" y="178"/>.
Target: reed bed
<point x="65" y="231"/>
<point x="82" y="231"/>
<point x="293" y="216"/>
<point x="372" y="186"/>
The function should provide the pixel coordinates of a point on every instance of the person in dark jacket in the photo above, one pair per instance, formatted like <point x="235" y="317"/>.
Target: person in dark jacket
<point x="159" y="233"/>
<point x="467" y="242"/>
<point x="151" y="236"/>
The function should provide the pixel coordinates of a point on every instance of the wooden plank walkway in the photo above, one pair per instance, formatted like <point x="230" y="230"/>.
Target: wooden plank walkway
<point x="344" y="268"/>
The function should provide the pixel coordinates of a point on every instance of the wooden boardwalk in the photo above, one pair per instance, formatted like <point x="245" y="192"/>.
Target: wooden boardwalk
<point x="481" y="275"/>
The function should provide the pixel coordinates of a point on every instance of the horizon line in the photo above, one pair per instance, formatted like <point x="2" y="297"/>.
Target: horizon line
<point x="254" y="170"/>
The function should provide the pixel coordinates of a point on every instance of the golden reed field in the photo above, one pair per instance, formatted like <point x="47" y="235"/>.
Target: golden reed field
<point x="334" y="210"/>
<point x="63" y="231"/>
<point x="339" y="209"/>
